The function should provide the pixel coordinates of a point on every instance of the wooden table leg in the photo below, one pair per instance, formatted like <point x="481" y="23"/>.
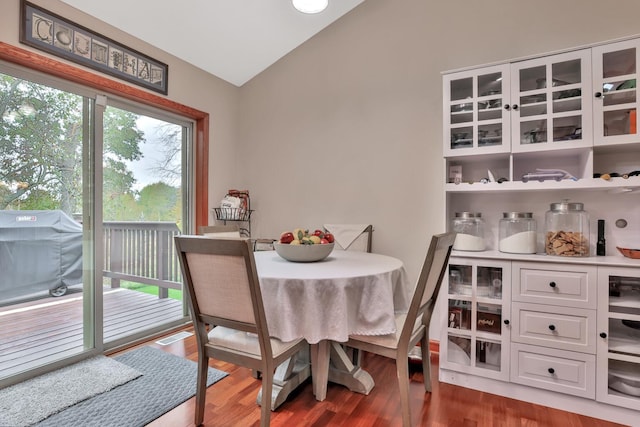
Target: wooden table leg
<point x="342" y="371"/>
<point x="289" y="375"/>
<point x="320" y="368"/>
<point x="329" y="362"/>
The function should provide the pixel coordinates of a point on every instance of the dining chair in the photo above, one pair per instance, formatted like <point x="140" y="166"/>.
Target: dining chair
<point x="413" y="327"/>
<point x="220" y="231"/>
<point x="351" y="237"/>
<point x="224" y="293"/>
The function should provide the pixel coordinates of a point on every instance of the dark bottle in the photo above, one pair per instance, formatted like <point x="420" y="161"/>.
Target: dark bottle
<point x="601" y="245"/>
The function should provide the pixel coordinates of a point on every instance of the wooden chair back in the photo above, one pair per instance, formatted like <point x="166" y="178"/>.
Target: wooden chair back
<point x="220" y="231"/>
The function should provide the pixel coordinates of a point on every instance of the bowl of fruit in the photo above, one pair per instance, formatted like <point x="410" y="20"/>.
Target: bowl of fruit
<point x="301" y="246"/>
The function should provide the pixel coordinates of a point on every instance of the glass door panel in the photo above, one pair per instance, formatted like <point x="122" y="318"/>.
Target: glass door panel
<point x="476" y="330"/>
<point x="619" y="62"/>
<point x="619" y="345"/>
<point x="615" y="76"/>
<point x="567" y="128"/>
<point x="477" y="106"/>
<point x="46" y="241"/>
<point x="552" y="105"/>
<point x="462" y="113"/>
<point x="142" y="212"/>
<point x="488" y="355"/>
<point x="459" y="350"/>
<point x="461" y="89"/>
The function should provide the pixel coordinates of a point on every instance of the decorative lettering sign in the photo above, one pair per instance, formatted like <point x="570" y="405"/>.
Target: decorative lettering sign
<point x="51" y="33"/>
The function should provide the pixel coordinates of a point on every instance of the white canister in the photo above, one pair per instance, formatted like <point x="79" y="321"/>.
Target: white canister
<point x="517" y="233"/>
<point x="469" y="227"/>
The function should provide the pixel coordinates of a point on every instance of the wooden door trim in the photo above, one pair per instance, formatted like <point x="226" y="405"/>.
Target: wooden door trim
<point x="53" y="67"/>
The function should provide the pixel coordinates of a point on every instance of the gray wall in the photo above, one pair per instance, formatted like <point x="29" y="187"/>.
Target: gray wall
<point x="348" y="127"/>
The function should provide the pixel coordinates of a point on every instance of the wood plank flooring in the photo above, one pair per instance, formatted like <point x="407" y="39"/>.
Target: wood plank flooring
<point x="232" y="402"/>
<point x="51" y="328"/>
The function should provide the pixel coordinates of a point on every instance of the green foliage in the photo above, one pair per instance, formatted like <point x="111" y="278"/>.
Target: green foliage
<point x="41" y="140"/>
<point x="157" y="201"/>
<point x="151" y="290"/>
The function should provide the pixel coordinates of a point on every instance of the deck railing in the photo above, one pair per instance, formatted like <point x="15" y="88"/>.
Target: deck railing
<point x="142" y="252"/>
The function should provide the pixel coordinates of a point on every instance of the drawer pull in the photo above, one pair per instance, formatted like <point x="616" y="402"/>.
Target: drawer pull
<point x="552" y="327"/>
<point x="552" y="284"/>
<point x="551" y="371"/>
<point x="506" y="321"/>
<point x="603" y="334"/>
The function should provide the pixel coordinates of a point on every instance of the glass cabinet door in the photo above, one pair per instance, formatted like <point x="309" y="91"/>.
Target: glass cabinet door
<point x="615" y="93"/>
<point x="550" y="102"/>
<point x="619" y="341"/>
<point x="476" y="108"/>
<point x="477" y="333"/>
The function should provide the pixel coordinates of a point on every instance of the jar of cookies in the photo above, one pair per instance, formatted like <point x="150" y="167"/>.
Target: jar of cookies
<point x="567" y="229"/>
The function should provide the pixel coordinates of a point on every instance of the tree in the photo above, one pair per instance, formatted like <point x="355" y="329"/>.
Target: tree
<point x="169" y="139"/>
<point x="158" y="202"/>
<point x="41" y="140"/>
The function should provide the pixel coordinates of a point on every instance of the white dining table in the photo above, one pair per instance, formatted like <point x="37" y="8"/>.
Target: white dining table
<point x="324" y="302"/>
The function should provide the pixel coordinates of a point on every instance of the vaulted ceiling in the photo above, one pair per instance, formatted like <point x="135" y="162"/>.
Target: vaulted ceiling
<point x="231" y="39"/>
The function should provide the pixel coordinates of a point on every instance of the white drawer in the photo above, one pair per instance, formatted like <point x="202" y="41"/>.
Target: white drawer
<point x="564" y="328"/>
<point x="556" y="370"/>
<point x="555" y="284"/>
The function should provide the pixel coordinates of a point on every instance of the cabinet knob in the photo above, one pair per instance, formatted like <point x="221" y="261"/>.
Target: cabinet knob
<point x="598" y="94"/>
<point x="507" y="107"/>
<point x="551" y="371"/>
<point x="552" y="327"/>
<point x="603" y="334"/>
<point x="552" y="284"/>
<point x="515" y="106"/>
<point x="506" y="321"/>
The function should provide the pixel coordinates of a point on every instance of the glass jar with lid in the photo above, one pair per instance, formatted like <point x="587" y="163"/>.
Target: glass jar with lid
<point x="517" y="233"/>
<point x="470" y="229"/>
<point x="567" y="229"/>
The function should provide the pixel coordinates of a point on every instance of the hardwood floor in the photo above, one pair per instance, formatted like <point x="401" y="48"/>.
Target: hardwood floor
<point x="232" y="402"/>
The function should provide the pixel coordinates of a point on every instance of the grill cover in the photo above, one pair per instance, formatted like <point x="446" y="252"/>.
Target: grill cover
<point x="39" y="251"/>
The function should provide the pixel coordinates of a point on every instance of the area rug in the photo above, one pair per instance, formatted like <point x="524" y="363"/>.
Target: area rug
<point x="28" y="402"/>
<point x="166" y="382"/>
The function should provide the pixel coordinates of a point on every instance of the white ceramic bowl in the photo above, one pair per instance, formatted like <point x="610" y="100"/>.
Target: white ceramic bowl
<point x="303" y="253"/>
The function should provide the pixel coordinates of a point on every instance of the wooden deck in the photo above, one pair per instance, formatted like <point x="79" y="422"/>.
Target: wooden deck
<point x="51" y="328"/>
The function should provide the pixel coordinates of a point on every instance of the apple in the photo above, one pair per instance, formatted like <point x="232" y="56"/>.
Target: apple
<point x="286" y="237"/>
<point x="329" y="237"/>
<point x="324" y="241"/>
<point x="319" y="233"/>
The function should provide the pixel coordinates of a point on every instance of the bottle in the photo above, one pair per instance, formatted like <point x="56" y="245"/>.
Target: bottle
<point x="517" y="233"/>
<point x="470" y="229"/>
<point x="567" y="229"/>
<point x="601" y="246"/>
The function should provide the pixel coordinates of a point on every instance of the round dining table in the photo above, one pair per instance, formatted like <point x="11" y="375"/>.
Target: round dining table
<point x="324" y="302"/>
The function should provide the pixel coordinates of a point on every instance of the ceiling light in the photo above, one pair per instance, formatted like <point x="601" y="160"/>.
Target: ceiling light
<point x="310" y="6"/>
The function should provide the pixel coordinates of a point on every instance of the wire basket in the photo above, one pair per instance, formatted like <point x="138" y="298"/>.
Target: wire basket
<point x="232" y="214"/>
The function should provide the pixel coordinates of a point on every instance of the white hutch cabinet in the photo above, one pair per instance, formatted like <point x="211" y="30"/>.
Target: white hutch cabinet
<point x="559" y="331"/>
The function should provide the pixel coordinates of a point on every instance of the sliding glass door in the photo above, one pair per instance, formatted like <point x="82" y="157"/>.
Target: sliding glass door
<point x="46" y="238"/>
<point x="92" y="191"/>
<point x="143" y="189"/>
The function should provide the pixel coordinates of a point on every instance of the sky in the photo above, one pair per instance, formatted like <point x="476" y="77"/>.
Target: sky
<point x="151" y="154"/>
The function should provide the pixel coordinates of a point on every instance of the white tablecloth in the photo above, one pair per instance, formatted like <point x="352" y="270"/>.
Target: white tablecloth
<point x="347" y="293"/>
